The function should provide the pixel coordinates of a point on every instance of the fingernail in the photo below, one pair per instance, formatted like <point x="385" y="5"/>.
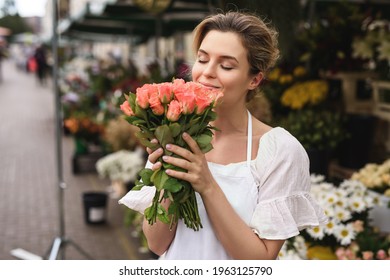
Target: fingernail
<point x="185" y="134"/>
<point x="168" y="146"/>
<point x="160" y="150"/>
<point x="168" y="171"/>
<point x="164" y="158"/>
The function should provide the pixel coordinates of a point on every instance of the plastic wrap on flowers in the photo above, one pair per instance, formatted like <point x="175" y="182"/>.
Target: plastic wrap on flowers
<point x="164" y="112"/>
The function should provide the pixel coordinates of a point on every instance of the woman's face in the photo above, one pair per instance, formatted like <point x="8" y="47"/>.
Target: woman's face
<point x="222" y="63"/>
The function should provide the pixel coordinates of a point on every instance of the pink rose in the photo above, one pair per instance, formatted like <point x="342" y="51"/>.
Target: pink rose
<point x="367" y="255"/>
<point x="125" y="107"/>
<point x="155" y="104"/>
<point x="165" y="92"/>
<point x="381" y="254"/>
<point x="174" y="111"/>
<point x="142" y="98"/>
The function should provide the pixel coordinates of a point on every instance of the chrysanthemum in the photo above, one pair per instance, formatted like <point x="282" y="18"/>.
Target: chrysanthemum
<point x="342" y="214"/>
<point x="345" y="234"/>
<point x="330" y="227"/>
<point x="357" y="204"/>
<point x="316" y="232"/>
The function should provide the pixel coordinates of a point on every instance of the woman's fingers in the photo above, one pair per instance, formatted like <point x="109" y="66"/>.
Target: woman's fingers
<point x="155" y="155"/>
<point x="191" y="143"/>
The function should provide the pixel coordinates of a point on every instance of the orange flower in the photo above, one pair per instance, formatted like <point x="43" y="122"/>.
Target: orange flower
<point x="125" y="107"/>
<point x="174" y="111"/>
<point x="155" y="104"/>
<point x="165" y="92"/>
<point x="142" y="98"/>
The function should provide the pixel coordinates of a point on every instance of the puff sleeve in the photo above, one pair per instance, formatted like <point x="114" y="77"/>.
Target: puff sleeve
<point x="141" y="199"/>
<point x="285" y="205"/>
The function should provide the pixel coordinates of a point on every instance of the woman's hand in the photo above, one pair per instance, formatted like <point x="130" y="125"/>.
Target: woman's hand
<point x="154" y="155"/>
<point x="194" y="161"/>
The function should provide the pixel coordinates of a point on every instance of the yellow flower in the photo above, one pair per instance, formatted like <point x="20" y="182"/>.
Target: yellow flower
<point x="321" y="253"/>
<point x="305" y="93"/>
<point x="285" y="79"/>
<point x="274" y="74"/>
<point x="299" y="71"/>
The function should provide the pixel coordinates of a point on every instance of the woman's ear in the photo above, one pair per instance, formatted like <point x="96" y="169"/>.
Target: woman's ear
<point x="256" y="81"/>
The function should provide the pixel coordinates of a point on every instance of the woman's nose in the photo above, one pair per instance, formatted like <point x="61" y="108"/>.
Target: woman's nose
<point x="210" y="70"/>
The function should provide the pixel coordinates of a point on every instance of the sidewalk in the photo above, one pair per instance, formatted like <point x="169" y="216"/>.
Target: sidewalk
<point x="28" y="181"/>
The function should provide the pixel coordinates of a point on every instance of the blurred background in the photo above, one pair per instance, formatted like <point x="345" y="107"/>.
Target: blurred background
<point x="330" y="89"/>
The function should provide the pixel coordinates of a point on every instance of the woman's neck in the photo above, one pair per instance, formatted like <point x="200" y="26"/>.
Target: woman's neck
<point x="233" y="121"/>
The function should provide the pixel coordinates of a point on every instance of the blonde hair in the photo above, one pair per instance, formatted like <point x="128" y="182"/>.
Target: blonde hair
<point x="258" y="38"/>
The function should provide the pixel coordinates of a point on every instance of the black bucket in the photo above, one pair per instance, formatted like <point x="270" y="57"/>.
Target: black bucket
<point x="95" y="207"/>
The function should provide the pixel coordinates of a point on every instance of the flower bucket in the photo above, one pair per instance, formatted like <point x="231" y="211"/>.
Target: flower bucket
<point x="95" y="205"/>
<point x="81" y="146"/>
<point x="380" y="215"/>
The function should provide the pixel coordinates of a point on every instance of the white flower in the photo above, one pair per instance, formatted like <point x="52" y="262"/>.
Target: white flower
<point x="362" y="49"/>
<point x="316" y="232"/>
<point x="384" y="51"/>
<point x="357" y="204"/>
<point x="315" y="179"/>
<point x="342" y="214"/>
<point x="345" y="234"/>
<point x="330" y="227"/>
<point x="122" y="165"/>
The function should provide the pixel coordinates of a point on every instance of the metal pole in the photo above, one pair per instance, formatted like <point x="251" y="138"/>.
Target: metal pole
<point x="58" y="124"/>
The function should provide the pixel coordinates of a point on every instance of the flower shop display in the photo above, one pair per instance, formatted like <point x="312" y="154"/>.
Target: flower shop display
<point x="348" y="233"/>
<point x="119" y="135"/>
<point x="120" y="167"/>
<point x="373" y="46"/>
<point x="85" y="130"/>
<point x="301" y="105"/>
<point x="165" y="111"/>
<point x="376" y="177"/>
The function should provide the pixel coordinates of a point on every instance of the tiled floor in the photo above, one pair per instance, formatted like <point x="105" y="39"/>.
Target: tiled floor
<point x="29" y="203"/>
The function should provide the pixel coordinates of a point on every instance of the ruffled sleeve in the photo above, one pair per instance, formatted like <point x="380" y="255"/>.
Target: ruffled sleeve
<point x="285" y="205"/>
<point x="141" y="199"/>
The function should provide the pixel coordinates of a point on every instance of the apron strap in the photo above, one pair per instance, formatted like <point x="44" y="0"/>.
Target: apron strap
<point x="249" y="142"/>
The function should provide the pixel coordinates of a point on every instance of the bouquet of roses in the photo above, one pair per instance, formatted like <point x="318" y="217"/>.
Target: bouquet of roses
<point x="164" y="112"/>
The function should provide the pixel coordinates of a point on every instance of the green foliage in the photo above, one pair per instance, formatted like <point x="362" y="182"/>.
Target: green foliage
<point x="15" y="23"/>
<point x="321" y="129"/>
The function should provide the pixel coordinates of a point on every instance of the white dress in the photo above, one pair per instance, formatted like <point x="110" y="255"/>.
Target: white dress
<point x="270" y="193"/>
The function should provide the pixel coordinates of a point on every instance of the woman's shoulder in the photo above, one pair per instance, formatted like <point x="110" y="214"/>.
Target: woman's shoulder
<point x="279" y="138"/>
<point x="278" y="144"/>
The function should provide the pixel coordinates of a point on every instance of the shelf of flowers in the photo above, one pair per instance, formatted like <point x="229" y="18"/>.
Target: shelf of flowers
<point x="350" y="233"/>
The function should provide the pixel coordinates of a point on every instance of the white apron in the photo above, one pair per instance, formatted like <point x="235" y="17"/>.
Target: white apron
<point x="239" y="186"/>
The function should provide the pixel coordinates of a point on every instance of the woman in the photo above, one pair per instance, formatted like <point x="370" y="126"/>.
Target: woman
<point x="253" y="187"/>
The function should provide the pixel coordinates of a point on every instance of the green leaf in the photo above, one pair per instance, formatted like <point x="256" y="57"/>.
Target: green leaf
<point x="158" y="178"/>
<point x="131" y="101"/>
<point x="138" y="122"/>
<point x="138" y="185"/>
<point x="147" y="143"/>
<point x="163" y="135"/>
<point x="146" y="175"/>
<point x="175" y="129"/>
<point x="162" y="214"/>
<point x="139" y="112"/>
<point x="144" y="134"/>
<point x="207" y="148"/>
<point x="193" y="129"/>
<point x="203" y="140"/>
<point x="172" y="185"/>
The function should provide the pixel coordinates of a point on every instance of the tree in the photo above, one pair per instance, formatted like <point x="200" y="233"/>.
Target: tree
<point x="12" y="20"/>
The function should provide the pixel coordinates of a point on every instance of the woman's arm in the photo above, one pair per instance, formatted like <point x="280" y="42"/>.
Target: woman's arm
<point x="158" y="235"/>
<point x="235" y="235"/>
